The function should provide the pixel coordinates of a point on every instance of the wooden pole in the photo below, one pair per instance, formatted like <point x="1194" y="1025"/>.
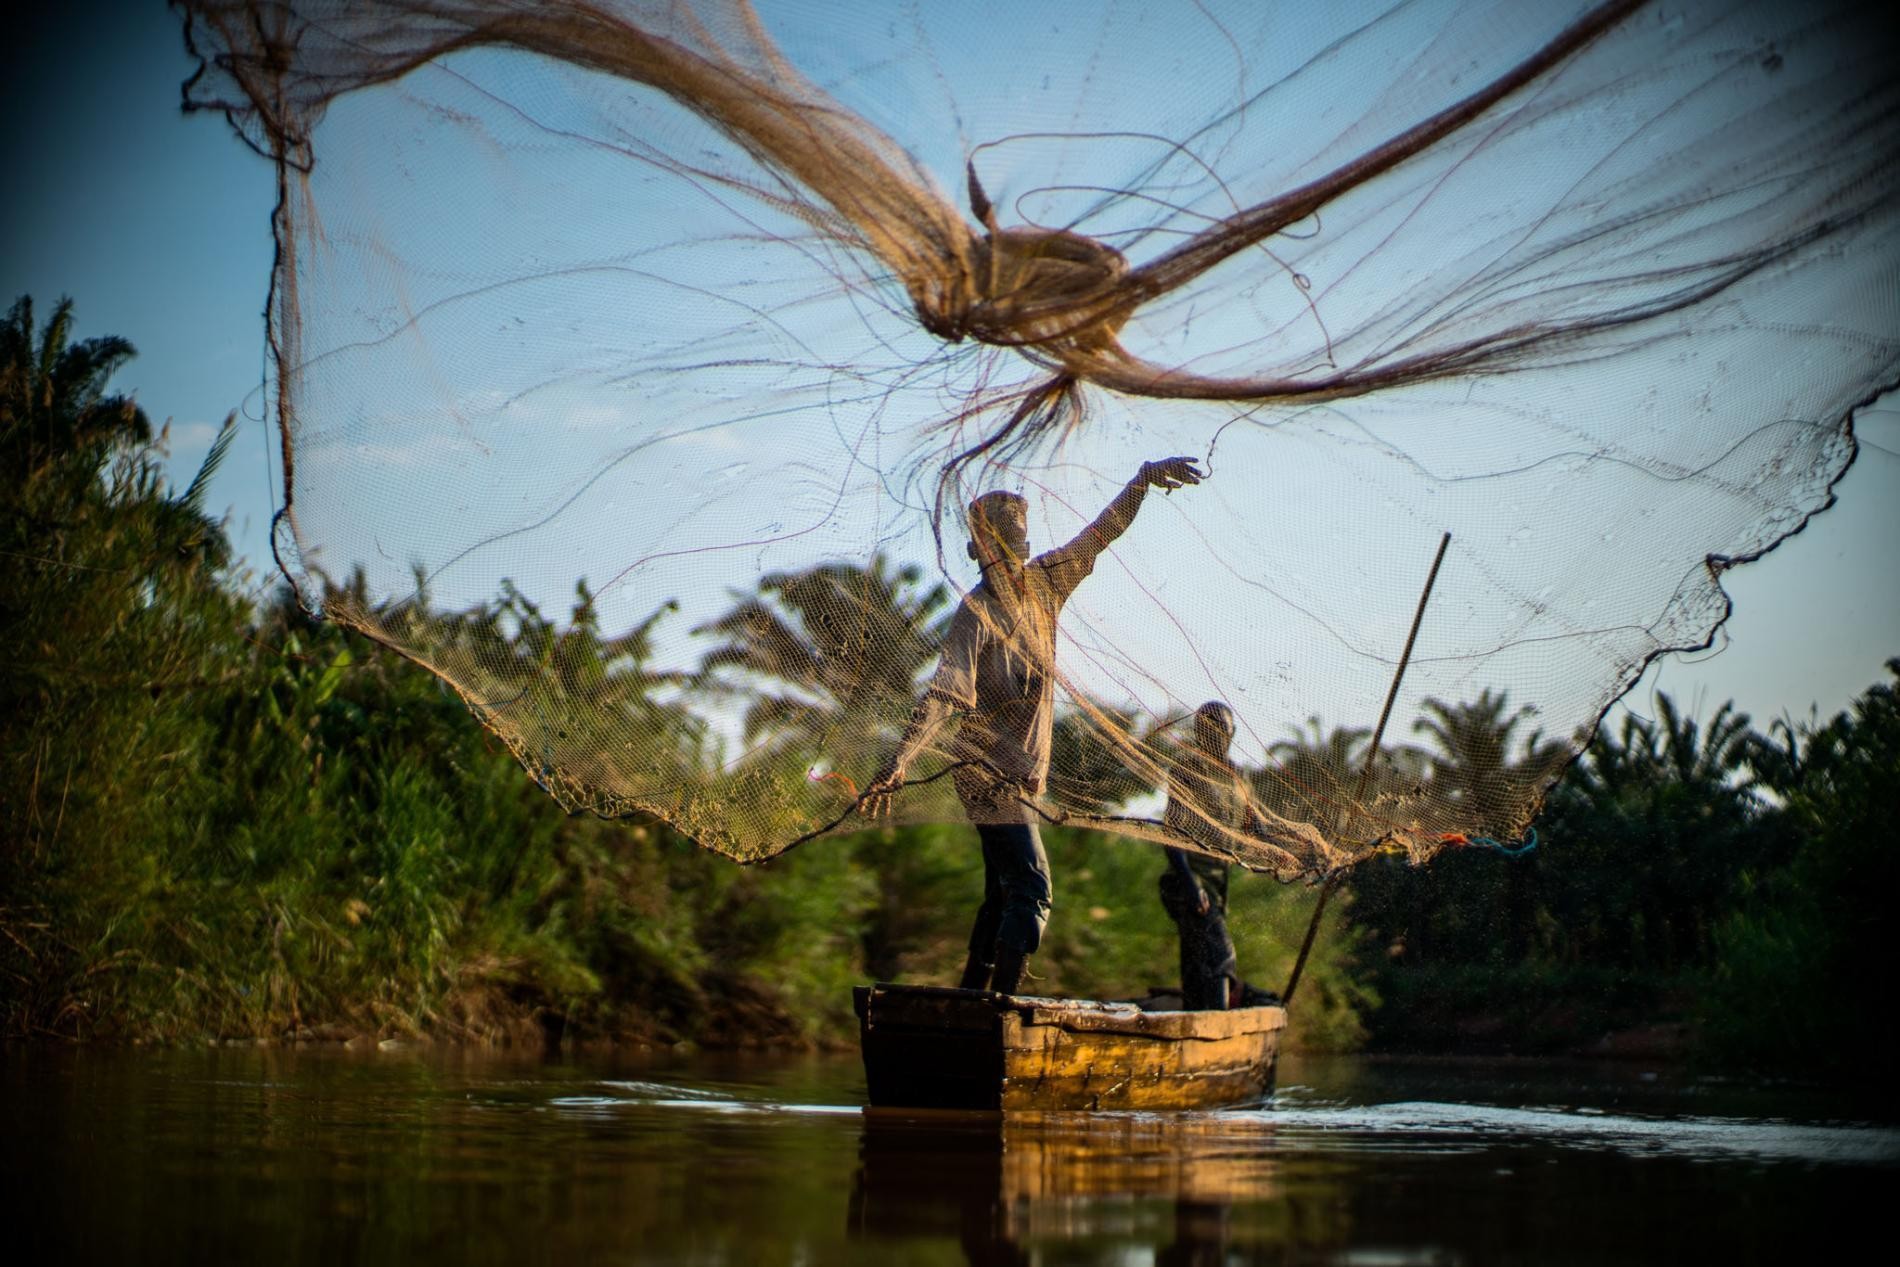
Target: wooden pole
<point x="1365" y="775"/>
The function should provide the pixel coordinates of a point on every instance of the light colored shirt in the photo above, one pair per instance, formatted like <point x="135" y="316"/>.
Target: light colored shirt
<point x="998" y="672"/>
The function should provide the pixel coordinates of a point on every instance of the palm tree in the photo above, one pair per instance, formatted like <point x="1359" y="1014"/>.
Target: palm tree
<point x="827" y="662"/>
<point x="833" y="650"/>
<point x="1484" y="781"/>
<point x="109" y="602"/>
<point x="54" y="410"/>
<point x="66" y="445"/>
<point x="1659" y="823"/>
<point x="1312" y="776"/>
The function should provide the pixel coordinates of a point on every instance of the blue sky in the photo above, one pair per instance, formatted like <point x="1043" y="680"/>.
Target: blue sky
<point x="157" y="224"/>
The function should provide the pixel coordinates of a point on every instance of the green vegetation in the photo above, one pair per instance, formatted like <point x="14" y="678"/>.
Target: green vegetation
<point x="1804" y="944"/>
<point x="1723" y="890"/>
<point x="221" y="820"/>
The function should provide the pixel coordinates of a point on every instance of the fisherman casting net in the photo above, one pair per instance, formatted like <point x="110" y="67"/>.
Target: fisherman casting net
<point x="706" y="325"/>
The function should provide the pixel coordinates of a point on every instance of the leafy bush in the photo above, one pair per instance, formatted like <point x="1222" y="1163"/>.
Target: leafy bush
<point x="1788" y="982"/>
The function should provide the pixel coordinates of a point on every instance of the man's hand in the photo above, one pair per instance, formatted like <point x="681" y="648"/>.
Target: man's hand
<point x="876" y="801"/>
<point x="1202" y="903"/>
<point x="1170" y="473"/>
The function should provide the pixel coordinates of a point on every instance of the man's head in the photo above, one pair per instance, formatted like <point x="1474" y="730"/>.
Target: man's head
<point x="999" y="529"/>
<point x="1214" y="728"/>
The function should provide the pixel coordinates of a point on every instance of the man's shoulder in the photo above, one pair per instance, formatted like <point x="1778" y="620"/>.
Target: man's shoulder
<point x="974" y="600"/>
<point x="1055" y="557"/>
<point x="1062" y="568"/>
<point x="1206" y="766"/>
<point x="974" y="616"/>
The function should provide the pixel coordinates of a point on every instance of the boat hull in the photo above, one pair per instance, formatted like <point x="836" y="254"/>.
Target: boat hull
<point x="932" y="1047"/>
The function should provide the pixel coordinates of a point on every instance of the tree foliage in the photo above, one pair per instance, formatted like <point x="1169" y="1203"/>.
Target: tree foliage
<point x="229" y="820"/>
<point x="826" y="648"/>
<point x="1793" y="962"/>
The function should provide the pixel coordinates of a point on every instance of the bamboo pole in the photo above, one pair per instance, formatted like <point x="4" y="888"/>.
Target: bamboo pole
<point x="1365" y="775"/>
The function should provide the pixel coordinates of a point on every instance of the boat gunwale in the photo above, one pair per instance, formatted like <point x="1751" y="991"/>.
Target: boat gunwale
<point x="1091" y="1016"/>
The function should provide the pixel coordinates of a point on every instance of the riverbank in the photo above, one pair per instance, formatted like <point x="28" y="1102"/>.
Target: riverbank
<point x="221" y="819"/>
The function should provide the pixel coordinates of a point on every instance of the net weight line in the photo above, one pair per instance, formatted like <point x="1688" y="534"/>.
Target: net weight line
<point x="1365" y="775"/>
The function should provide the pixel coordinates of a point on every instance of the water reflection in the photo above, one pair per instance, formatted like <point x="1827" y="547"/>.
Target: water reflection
<point x="1312" y="1178"/>
<point x="309" y="1156"/>
<point x="1001" y="1184"/>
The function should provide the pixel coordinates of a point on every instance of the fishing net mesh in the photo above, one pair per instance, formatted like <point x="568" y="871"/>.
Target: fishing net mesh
<point x="635" y="365"/>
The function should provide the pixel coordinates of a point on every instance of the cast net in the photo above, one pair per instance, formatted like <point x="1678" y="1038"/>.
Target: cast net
<point x="635" y="363"/>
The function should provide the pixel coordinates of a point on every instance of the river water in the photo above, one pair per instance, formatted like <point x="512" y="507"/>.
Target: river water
<point x="332" y="1156"/>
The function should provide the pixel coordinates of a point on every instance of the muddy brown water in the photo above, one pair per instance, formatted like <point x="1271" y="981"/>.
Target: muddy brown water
<point x="332" y="1156"/>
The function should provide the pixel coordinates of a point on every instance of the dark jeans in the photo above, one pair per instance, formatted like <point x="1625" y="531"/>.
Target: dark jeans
<point x="1207" y="952"/>
<point x="1016" y="891"/>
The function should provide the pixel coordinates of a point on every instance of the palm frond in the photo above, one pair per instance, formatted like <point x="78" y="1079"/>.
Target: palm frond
<point x="194" y="495"/>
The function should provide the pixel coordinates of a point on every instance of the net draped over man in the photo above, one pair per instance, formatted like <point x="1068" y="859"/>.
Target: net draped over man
<point x="1208" y="806"/>
<point x="997" y="677"/>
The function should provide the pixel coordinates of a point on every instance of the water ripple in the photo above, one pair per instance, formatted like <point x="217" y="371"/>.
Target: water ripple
<point x="1420" y="1122"/>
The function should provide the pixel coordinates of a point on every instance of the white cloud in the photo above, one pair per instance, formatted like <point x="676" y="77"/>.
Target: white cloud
<point x="189" y="436"/>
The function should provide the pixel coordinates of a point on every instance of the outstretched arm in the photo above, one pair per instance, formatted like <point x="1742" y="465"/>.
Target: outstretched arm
<point x="1276" y="837"/>
<point x="952" y="689"/>
<point x="1167" y="474"/>
<point x="932" y="711"/>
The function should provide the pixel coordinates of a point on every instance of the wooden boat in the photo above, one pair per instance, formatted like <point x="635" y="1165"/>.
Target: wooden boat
<point x="939" y="1048"/>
